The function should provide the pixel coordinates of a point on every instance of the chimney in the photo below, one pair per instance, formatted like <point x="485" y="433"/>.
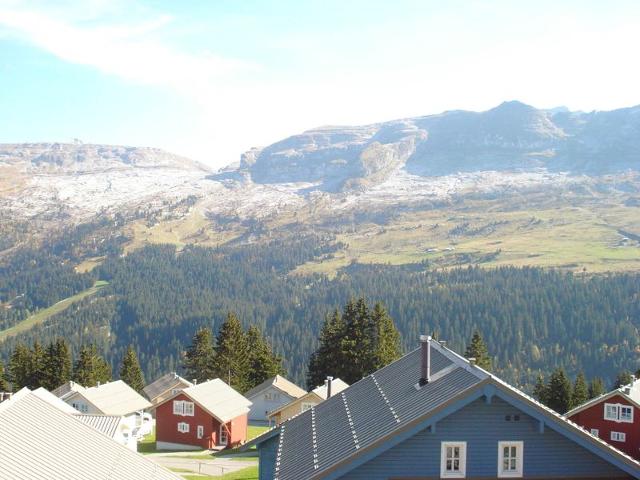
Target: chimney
<point x="425" y="360"/>
<point x="329" y="380"/>
<point x="195" y="381"/>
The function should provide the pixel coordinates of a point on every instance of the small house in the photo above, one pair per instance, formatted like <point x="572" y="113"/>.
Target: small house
<point x="306" y="401"/>
<point x="433" y="414"/>
<point x="270" y="395"/>
<point x="164" y="387"/>
<point x="205" y="416"/>
<point x="613" y="417"/>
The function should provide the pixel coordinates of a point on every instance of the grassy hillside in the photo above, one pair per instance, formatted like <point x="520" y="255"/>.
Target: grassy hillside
<point x="43" y="315"/>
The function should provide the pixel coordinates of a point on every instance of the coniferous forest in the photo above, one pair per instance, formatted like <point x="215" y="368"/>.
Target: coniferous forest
<point x="532" y="320"/>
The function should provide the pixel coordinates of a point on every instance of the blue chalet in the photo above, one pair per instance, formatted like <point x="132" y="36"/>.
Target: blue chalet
<point x="430" y="415"/>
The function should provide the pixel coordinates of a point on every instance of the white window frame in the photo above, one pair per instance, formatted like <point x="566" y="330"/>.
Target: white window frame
<point x="595" y="432"/>
<point x="225" y="434"/>
<point x="200" y="431"/>
<point x="183" y="408"/>
<point x="518" y="472"/>
<point x="304" y="406"/>
<point x="462" y="472"/>
<point x="618" y="437"/>
<point x="183" y="427"/>
<point x="616" y="412"/>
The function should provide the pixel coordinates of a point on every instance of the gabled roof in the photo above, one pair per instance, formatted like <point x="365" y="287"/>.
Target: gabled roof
<point x="50" y="398"/>
<point x="67" y="388"/>
<point x="320" y="392"/>
<point x="378" y="410"/>
<point x="281" y="384"/>
<point x="630" y="392"/>
<point x="107" y="424"/>
<point x="217" y="398"/>
<point x="115" y="398"/>
<point x="165" y="383"/>
<point x="41" y="442"/>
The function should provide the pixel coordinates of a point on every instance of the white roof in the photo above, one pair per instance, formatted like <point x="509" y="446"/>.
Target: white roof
<point x="115" y="398"/>
<point x="219" y="399"/>
<point x="281" y="384"/>
<point x="40" y="442"/>
<point x="337" y="386"/>
<point x="50" y="398"/>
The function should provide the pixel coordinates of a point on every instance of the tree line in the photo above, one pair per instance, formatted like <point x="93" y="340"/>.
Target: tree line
<point x="242" y="358"/>
<point x="52" y="366"/>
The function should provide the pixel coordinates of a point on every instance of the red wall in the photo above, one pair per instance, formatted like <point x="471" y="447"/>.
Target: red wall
<point x="167" y="426"/>
<point x="593" y="417"/>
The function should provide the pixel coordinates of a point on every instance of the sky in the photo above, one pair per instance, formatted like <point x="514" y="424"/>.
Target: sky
<point x="211" y="79"/>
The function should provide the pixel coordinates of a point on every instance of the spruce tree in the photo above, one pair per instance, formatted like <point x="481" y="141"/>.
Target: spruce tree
<point x="37" y="368"/>
<point x="4" y="386"/>
<point x="263" y="362"/>
<point x="478" y="349"/>
<point x="357" y="342"/>
<point x="90" y="368"/>
<point x="232" y="354"/>
<point x="596" y="387"/>
<point x="387" y="338"/>
<point x="622" y="379"/>
<point x="58" y="365"/>
<point x="328" y="359"/>
<point x="580" y="391"/>
<point x="559" y="391"/>
<point x="19" y="367"/>
<point x="130" y="371"/>
<point x="199" y="359"/>
<point x="540" y="391"/>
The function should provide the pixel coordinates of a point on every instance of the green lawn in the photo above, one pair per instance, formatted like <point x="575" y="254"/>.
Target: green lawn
<point x="249" y="473"/>
<point x="148" y="443"/>
<point x="254" y="430"/>
<point x="43" y="315"/>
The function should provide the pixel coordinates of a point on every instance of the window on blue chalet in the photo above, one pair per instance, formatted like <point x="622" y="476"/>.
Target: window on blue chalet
<point x="510" y="459"/>
<point x="453" y="460"/>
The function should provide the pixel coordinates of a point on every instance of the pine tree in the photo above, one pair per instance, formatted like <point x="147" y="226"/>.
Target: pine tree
<point x="199" y="359"/>
<point x="232" y="354"/>
<point x="478" y="349"/>
<point x="540" y="391"/>
<point x="58" y="365"/>
<point x="19" y="368"/>
<point x="328" y="359"/>
<point x="357" y="342"/>
<point x="90" y="368"/>
<point x="387" y="338"/>
<point x="559" y="396"/>
<point x="130" y="372"/>
<point x="263" y="362"/>
<point x="596" y="387"/>
<point x="622" y="379"/>
<point x="4" y="386"/>
<point x="580" y="391"/>
<point x="37" y="369"/>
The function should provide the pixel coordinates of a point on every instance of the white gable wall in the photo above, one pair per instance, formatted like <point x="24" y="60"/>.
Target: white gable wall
<point x="266" y="401"/>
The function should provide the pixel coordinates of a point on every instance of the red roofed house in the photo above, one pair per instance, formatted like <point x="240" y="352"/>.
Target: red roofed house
<point x="613" y="417"/>
<point x="204" y="416"/>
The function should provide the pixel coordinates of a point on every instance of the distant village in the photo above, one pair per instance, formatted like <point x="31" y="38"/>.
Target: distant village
<point x="429" y="414"/>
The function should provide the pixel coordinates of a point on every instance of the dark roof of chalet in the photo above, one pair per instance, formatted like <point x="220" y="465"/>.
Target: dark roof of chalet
<point x="165" y="383"/>
<point x="381" y="405"/>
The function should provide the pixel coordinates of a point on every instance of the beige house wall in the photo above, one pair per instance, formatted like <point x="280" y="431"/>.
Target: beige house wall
<point x="294" y="408"/>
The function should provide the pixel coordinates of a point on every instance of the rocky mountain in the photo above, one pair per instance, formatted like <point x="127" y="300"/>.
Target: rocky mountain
<point x="511" y="137"/>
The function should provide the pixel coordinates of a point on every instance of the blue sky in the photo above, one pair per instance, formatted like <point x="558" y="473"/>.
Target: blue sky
<point x="211" y="79"/>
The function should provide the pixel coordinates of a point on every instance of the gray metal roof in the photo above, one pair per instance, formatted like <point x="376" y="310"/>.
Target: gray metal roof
<point x="107" y="424"/>
<point x="164" y="384"/>
<point x="41" y="442"/>
<point x="375" y="406"/>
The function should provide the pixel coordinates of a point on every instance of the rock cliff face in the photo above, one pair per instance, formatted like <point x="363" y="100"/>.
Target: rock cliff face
<point x="510" y="137"/>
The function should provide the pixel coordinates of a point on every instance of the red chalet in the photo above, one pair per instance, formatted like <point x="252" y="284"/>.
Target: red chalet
<point x="613" y="417"/>
<point x="208" y="415"/>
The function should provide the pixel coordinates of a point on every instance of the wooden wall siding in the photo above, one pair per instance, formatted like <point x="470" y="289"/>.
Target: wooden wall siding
<point x="482" y="426"/>
<point x="294" y="407"/>
<point x="593" y="417"/>
<point x="268" y="451"/>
